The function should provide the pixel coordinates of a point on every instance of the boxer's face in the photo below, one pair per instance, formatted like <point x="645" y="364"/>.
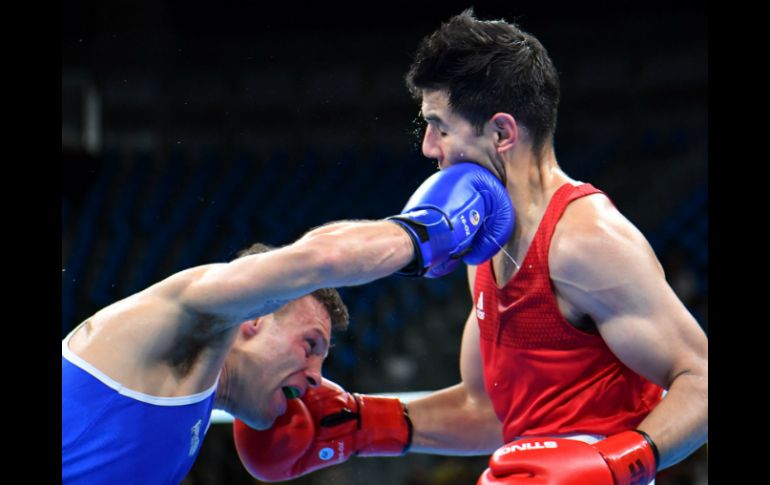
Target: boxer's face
<point x="286" y="350"/>
<point x="450" y="138"/>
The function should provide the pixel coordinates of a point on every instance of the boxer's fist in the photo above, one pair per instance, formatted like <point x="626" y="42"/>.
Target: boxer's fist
<point x="627" y="458"/>
<point x="323" y="428"/>
<point x="459" y="213"/>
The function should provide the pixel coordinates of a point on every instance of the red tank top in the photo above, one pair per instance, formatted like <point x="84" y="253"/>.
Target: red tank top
<point x="544" y="376"/>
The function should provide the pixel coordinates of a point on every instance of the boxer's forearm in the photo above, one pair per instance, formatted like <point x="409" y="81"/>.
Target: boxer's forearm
<point x="450" y="422"/>
<point x="342" y="254"/>
<point x="679" y="424"/>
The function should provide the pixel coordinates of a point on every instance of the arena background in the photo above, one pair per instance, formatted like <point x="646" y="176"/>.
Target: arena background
<point x="192" y="130"/>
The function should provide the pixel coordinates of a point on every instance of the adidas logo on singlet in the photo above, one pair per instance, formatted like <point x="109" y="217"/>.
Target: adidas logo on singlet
<point x="480" y="307"/>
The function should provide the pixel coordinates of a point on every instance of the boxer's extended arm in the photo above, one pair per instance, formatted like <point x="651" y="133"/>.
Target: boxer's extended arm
<point x="460" y="212"/>
<point x="341" y="254"/>
<point x="458" y="420"/>
<point x="206" y="302"/>
<point x="450" y="422"/>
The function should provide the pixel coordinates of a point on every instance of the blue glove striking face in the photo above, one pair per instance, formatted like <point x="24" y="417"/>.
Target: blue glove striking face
<point x="460" y="213"/>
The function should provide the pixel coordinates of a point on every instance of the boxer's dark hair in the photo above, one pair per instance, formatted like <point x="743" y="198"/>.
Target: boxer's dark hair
<point x="488" y="67"/>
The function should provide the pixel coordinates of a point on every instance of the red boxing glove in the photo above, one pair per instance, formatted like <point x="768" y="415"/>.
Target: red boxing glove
<point x="627" y="458"/>
<point x="323" y="428"/>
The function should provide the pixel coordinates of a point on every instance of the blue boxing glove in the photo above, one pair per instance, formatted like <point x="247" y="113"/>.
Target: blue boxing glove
<point x="460" y="213"/>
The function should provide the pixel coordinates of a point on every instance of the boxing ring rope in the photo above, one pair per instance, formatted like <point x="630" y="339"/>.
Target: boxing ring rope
<point x="219" y="416"/>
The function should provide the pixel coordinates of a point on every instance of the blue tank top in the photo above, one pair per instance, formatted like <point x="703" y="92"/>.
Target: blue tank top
<point x="111" y="434"/>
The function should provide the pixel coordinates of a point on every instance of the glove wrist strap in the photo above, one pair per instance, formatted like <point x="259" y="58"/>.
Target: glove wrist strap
<point x="410" y="429"/>
<point x="416" y="267"/>
<point x="654" y="447"/>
